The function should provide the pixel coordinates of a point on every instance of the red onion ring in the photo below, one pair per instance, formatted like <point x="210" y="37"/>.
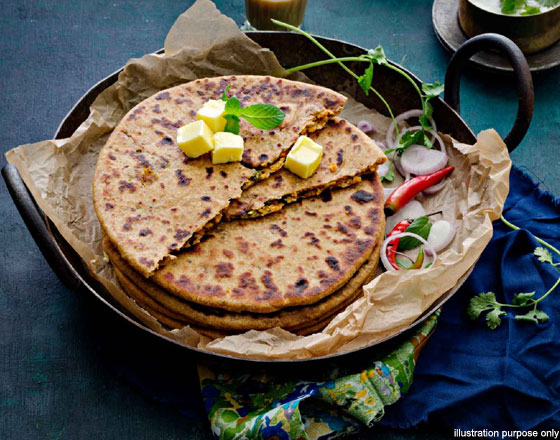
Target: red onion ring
<point x="366" y="126"/>
<point x="419" y="160"/>
<point x="435" y="189"/>
<point x="383" y="169"/>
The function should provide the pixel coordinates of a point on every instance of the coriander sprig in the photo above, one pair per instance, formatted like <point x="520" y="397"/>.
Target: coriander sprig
<point x="372" y="57"/>
<point x="262" y="116"/>
<point x="486" y="302"/>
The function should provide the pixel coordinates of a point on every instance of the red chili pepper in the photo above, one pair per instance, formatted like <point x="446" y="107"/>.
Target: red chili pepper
<point x="394" y="244"/>
<point x="406" y="191"/>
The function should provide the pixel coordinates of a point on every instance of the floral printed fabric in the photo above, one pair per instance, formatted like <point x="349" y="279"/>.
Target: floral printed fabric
<point x="259" y="406"/>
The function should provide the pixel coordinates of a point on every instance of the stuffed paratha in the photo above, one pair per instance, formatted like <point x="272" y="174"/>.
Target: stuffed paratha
<point x="347" y="154"/>
<point x="152" y="201"/>
<point x="293" y="257"/>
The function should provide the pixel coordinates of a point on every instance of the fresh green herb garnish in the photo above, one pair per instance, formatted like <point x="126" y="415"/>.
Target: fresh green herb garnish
<point x="262" y="116"/>
<point x="486" y="302"/>
<point x="523" y="7"/>
<point x="420" y="226"/>
<point x="372" y="57"/>
<point x="390" y="176"/>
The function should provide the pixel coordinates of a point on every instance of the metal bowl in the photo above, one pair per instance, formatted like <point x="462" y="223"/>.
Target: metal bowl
<point x="532" y="33"/>
<point x="291" y="49"/>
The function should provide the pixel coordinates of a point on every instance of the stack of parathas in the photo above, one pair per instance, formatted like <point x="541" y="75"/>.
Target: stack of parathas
<point x="240" y="246"/>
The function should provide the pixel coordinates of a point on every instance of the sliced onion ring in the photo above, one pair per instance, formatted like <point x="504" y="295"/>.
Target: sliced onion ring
<point x="383" y="169"/>
<point x="435" y="188"/>
<point x="366" y="126"/>
<point x="419" y="160"/>
<point x="428" y="248"/>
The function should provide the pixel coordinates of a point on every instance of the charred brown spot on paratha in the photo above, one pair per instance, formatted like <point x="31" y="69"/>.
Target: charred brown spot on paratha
<point x="224" y="270"/>
<point x="363" y="197"/>
<point x="182" y="179"/>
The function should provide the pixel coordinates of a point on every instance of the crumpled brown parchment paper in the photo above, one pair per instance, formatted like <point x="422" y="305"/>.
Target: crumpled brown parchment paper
<point x="58" y="173"/>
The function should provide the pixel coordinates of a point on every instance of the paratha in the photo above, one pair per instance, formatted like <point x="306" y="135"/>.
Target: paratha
<point x="293" y="257"/>
<point x="347" y="154"/>
<point x="295" y="318"/>
<point x="152" y="201"/>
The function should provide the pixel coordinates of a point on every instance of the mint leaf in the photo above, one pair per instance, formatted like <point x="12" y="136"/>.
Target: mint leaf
<point x="544" y="255"/>
<point x="377" y="55"/>
<point x="535" y="316"/>
<point x="224" y="95"/>
<point x="480" y="303"/>
<point x="493" y="318"/>
<point x="365" y="80"/>
<point x="420" y="226"/>
<point x="233" y="106"/>
<point x="524" y="299"/>
<point x="232" y="124"/>
<point x="432" y="90"/>
<point x="263" y="116"/>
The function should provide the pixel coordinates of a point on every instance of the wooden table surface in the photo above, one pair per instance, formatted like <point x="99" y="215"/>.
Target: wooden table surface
<point x="64" y="371"/>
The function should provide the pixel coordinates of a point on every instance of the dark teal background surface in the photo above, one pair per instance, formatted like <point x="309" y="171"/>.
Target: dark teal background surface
<point x="60" y="373"/>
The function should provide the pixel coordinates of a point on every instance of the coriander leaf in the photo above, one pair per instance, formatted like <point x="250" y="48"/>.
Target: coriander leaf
<point x="524" y="299"/>
<point x="233" y="106"/>
<point x="224" y="95"/>
<point x="544" y="255"/>
<point x="365" y="80"/>
<point x="429" y="110"/>
<point x="480" y="303"/>
<point x="420" y="226"/>
<point x="425" y="122"/>
<point x="377" y="55"/>
<point x="426" y="141"/>
<point x="511" y="6"/>
<point x="432" y="90"/>
<point x="232" y="124"/>
<point x="535" y="316"/>
<point x="263" y="116"/>
<point x="493" y="319"/>
<point x="390" y="176"/>
<point x="407" y="139"/>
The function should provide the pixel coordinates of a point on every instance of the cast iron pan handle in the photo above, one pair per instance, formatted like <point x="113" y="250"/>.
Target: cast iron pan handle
<point x="35" y="222"/>
<point x="524" y="82"/>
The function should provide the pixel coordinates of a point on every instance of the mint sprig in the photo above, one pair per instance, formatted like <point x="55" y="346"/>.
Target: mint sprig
<point x="261" y="116"/>
<point x="486" y="302"/>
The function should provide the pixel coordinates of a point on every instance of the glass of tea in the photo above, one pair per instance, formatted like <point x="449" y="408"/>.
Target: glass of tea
<point x="259" y="13"/>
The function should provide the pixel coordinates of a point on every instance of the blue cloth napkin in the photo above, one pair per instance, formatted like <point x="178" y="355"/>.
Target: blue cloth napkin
<point x="467" y="376"/>
<point x="471" y="377"/>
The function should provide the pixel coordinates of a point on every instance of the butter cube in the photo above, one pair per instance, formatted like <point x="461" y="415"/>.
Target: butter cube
<point x="228" y="147"/>
<point x="195" y="139"/>
<point x="212" y="112"/>
<point x="304" y="157"/>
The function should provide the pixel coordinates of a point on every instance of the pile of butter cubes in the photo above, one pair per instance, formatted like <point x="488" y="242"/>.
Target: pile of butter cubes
<point x="207" y="134"/>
